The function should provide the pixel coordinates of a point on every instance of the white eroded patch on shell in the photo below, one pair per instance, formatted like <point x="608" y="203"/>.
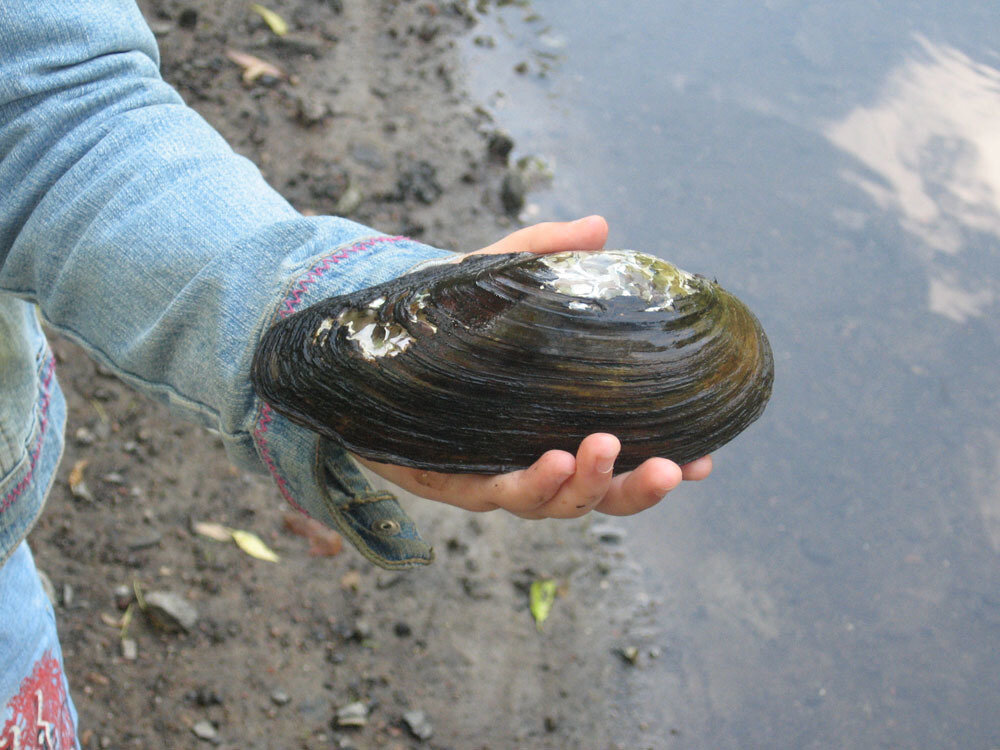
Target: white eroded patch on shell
<point x="618" y="273"/>
<point x="381" y="339"/>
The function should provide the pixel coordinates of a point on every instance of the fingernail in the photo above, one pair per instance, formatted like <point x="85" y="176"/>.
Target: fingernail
<point x="605" y="464"/>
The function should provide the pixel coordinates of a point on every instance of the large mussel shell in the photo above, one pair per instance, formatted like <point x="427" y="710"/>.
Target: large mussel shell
<point x="483" y="365"/>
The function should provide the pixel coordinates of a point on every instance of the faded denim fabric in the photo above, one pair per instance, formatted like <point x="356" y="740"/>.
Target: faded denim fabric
<point x="141" y="235"/>
<point x="36" y="710"/>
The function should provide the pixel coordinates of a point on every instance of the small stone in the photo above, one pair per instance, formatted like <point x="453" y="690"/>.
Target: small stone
<point x="67" y="595"/>
<point x="205" y="730"/>
<point x="629" y="654"/>
<point x="363" y="630"/>
<point x="83" y="436"/>
<point x="368" y="155"/>
<point x="608" y="533"/>
<point x="402" y="629"/>
<point x="160" y="27"/>
<point x="130" y="649"/>
<point x="188" y="18"/>
<point x="352" y="715"/>
<point x="512" y="192"/>
<point x="170" y="612"/>
<point x="418" y="724"/>
<point x="499" y="145"/>
<point x="280" y="698"/>
<point x="204" y="697"/>
<point x="143" y="542"/>
<point x="349" y="201"/>
<point x="123" y="596"/>
<point x="419" y="181"/>
<point x="310" y="110"/>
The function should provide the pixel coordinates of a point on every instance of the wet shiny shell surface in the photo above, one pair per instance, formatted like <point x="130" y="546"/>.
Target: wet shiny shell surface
<point x="482" y="366"/>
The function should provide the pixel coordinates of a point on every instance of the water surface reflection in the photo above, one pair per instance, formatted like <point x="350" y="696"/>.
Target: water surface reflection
<point x="836" y="582"/>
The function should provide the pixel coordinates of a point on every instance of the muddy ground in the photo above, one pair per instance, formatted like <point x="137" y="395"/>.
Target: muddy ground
<point x="367" y="116"/>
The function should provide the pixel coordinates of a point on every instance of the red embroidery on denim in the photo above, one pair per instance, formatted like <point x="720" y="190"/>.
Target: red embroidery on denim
<point x="322" y="267"/>
<point x="260" y="435"/>
<point x="39" y="717"/>
<point x="44" y="410"/>
<point x="292" y="302"/>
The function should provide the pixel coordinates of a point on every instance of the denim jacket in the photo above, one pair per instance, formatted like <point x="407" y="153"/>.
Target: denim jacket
<point x="131" y="227"/>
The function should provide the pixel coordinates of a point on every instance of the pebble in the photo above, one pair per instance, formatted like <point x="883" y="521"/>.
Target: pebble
<point x="280" y="698"/>
<point x="629" y="654"/>
<point x="170" y="612"/>
<point x="310" y="110"/>
<point x="419" y="181"/>
<point x="188" y="18"/>
<point x="352" y="715"/>
<point x="512" y="192"/>
<point x="499" y="145"/>
<point x="130" y="649"/>
<point x="83" y="436"/>
<point x="205" y="730"/>
<point x="123" y="596"/>
<point x="608" y="533"/>
<point x="418" y="724"/>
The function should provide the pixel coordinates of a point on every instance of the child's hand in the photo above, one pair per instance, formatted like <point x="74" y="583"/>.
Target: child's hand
<point x="557" y="485"/>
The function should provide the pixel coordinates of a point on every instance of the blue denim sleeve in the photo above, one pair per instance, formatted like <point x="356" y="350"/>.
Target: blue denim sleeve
<point x="143" y="236"/>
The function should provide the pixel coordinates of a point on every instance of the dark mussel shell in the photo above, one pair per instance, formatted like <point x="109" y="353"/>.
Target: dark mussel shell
<point x="483" y="365"/>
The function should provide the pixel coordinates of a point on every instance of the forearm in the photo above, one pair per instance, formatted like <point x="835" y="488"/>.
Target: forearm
<point x="136" y="228"/>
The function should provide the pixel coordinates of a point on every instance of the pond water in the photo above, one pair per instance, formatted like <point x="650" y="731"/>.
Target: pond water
<point x="836" y="583"/>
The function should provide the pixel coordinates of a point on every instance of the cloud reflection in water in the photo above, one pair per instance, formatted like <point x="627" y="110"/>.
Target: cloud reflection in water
<point x="931" y="146"/>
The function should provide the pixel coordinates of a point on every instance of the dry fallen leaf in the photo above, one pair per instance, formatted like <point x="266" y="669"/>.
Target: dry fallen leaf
<point x="253" y="545"/>
<point x="247" y="541"/>
<point x="323" y="541"/>
<point x="77" y="485"/>
<point x="254" y="67"/>
<point x="272" y="19"/>
<point x="212" y="530"/>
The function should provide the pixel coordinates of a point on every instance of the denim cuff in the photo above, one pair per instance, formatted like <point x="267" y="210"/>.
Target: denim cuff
<point x="312" y="473"/>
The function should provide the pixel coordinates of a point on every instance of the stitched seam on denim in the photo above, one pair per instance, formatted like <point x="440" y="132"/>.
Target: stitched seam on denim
<point x="367" y="499"/>
<point x="44" y="400"/>
<point x="294" y="297"/>
<point x="288" y="307"/>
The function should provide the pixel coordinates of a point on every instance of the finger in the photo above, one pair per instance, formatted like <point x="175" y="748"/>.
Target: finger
<point x="642" y="488"/>
<point x="595" y="463"/>
<point x="521" y="492"/>
<point x="698" y="469"/>
<point x="589" y="233"/>
<point x="516" y="491"/>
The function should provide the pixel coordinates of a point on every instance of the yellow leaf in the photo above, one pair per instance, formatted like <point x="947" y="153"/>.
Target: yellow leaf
<point x="253" y="546"/>
<point x="272" y="19"/>
<point x="213" y="530"/>
<point x="541" y="597"/>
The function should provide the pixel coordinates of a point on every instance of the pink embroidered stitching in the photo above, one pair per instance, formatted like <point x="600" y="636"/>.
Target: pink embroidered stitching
<point x="323" y="266"/>
<point x="46" y="397"/>
<point x="289" y="307"/>
<point x="259" y="434"/>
